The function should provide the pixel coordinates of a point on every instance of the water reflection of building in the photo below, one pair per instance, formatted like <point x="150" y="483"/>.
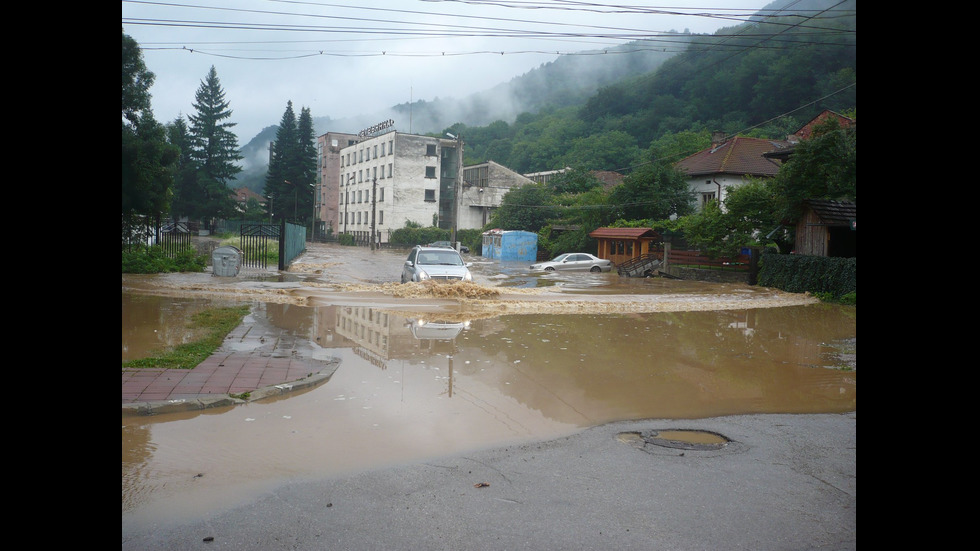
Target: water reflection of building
<point x="369" y="328"/>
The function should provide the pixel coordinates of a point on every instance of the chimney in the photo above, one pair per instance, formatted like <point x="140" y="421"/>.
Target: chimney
<point x="717" y="138"/>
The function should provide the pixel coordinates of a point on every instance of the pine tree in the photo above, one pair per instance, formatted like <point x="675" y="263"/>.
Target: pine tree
<point x="214" y="150"/>
<point x="307" y="164"/>
<point x="291" y="178"/>
<point x="278" y="185"/>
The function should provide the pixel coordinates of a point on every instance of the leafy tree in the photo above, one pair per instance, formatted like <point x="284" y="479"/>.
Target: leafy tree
<point x="576" y="180"/>
<point x="709" y="231"/>
<point x="214" y="152"/>
<point x="253" y="210"/>
<point x="148" y="164"/>
<point x="822" y="167"/>
<point x="147" y="158"/>
<point x="136" y="81"/>
<point x="673" y="147"/>
<point x="610" y="150"/>
<point x="527" y="208"/>
<point x="655" y="190"/>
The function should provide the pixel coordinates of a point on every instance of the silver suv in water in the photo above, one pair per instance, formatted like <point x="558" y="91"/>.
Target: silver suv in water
<point x="435" y="263"/>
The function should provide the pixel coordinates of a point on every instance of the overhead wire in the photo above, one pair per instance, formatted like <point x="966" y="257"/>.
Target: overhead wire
<point x="404" y="30"/>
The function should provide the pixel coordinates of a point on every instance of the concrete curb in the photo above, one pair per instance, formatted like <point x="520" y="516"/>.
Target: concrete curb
<point x="223" y="400"/>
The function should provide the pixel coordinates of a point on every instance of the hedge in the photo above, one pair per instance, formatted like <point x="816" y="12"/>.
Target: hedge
<point x="814" y="274"/>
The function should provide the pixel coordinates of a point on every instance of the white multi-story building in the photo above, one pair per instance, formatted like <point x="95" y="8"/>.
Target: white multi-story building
<point x="393" y="178"/>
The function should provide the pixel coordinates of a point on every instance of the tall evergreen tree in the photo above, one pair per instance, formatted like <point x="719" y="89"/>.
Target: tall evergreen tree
<point x="291" y="178"/>
<point x="307" y="163"/>
<point x="186" y="192"/>
<point x="214" y="150"/>
<point x="278" y="186"/>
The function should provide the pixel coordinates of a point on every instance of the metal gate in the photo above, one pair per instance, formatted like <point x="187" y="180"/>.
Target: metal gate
<point x="175" y="238"/>
<point x="257" y="241"/>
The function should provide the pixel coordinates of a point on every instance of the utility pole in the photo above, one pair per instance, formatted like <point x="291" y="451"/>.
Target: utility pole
<point x="374" y="202"/>
<point x="346" y="201"/>
<point x="456" y="186"/>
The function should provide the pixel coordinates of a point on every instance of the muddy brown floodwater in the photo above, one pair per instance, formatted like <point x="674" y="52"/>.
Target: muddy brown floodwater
<point x="514" y="358"/>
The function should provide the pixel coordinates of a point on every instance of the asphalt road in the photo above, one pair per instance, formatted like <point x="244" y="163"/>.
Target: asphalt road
<point x="777" y="482"/>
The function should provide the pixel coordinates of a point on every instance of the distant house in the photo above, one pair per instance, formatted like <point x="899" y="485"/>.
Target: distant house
<point x="243" y="194"/>
<point x="609" y="178"/>
<point x="728" y="163"/>
<point x="806" y="130"/>
<point x="827" y="228"/>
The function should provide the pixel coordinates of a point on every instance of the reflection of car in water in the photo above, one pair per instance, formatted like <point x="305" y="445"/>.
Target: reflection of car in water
<point x="437" y="330"/>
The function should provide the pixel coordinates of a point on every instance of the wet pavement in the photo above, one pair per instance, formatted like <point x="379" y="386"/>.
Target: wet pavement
<point x="256" y="360"/>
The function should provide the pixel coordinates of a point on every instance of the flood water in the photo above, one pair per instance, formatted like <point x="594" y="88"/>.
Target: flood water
<point x="412" y="388"/>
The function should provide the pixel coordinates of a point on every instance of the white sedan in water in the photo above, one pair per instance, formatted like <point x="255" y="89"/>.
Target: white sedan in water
<point x="582" y="262"/>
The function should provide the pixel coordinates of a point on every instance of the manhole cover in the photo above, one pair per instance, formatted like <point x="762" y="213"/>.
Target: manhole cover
<point x="677" y="438"/>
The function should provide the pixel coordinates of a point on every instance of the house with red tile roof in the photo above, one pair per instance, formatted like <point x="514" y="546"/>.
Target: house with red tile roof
<point x="729" y="162"/>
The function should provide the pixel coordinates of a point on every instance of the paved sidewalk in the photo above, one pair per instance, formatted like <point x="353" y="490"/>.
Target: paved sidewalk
<point x="256" y="358"/>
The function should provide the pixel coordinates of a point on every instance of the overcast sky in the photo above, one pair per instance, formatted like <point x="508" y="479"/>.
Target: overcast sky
<point x="345" y="58"/>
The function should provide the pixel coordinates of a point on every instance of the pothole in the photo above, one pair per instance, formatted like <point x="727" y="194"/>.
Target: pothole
<point x="680" y="439"/>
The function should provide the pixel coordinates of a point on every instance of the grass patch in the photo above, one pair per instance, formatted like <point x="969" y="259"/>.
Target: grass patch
<point x="216" y="323"/>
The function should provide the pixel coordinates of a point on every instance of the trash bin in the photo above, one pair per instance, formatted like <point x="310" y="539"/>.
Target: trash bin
<point x="226" y="261"/>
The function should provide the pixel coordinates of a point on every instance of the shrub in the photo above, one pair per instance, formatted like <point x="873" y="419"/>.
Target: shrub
<point x="830" y="278"/>
<point x="153" y="260"/>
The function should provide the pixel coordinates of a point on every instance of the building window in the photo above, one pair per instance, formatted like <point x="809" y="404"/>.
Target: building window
<point x="382" y="149"/>
<point x="381" y="217"/>
<point x="707" y="197"/>
<point x="391" y="147"/>
<point x="375" y="171"/>
<point x="390" y="175"/>
<point x="430" y="196"/>
<point x="375" y="152"/>
<point x="430" y="150"/>
<point x="381" y="194"/>
<point x="430" y="172"/>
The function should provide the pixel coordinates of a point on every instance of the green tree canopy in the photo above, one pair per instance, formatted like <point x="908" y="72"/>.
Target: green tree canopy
<point x="527" y="208"/>
<point x="653" y="190"/>
<point x="822" y="167"/>
<point x="148" y="160"/>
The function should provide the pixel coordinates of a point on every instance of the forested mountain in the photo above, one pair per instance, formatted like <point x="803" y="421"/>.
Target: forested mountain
<point x="763" y="78"/>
